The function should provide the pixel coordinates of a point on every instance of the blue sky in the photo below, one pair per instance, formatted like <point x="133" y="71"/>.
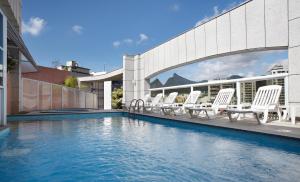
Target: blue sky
<point x="98" y="32"/>
<point x="246" y="65"/>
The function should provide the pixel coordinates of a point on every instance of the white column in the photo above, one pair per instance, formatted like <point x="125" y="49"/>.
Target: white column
<point x="192" y="88"/>
<point x="107" y="95"/>
<point x="294" y="54"/>
<point x="163" y="92"/>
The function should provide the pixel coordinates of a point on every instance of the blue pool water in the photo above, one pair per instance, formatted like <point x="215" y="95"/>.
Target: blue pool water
<point x="105" y="147"/>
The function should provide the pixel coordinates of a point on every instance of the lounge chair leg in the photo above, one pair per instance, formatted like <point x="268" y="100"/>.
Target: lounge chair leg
<point x="191" y="113"/>
<point x="265" y="119"/>
<point x="279" y="114"/>
<point x="229" y="114"/>
<point x="206" y="114"/>
<point x="257" y="118"/>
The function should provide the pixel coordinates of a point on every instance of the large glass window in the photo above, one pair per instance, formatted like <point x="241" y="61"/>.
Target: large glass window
<point x="1" y="30"/>
<point x="1" y="49"/>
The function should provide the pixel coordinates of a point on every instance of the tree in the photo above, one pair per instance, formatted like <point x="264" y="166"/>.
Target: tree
<point x="117" y="95"/>
<point x="71" y="81"/>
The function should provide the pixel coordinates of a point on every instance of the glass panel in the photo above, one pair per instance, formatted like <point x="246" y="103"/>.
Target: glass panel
<point x="56" y="96"/>
<point x="1" y="67"/>
<point x="30" y="95"/>
<point x="44" y="96"/>
<point x="1" y="30"/>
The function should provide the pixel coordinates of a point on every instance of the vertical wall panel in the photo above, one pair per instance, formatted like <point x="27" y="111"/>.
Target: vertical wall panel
<point x="56" y="97"/>
<point x="174" y="51"/>
<point x="44" y="96"/>
<point x="182" y="48"/>
<point x="30" y="95"/>
<point x="146" y="64"/>
<point x="156" y="63"/>
<point x="151" y="61"/>
<point x="238" y="29"/>
<point x="255" y="24"/>
<point x="294" y="7"/>
<point x="190" y="45"/>
<point x="200" y="42"/>
<point x="168" y="52"/>
<point x="223" y="33"/>
<point x="211" y="37"/>
<point x="161" y="60"/>
<point x="81" y="99"/>
<point x="276" y="23"/>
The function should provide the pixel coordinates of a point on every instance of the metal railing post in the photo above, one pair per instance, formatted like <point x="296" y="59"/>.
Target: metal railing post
<point x="238" y="92"/>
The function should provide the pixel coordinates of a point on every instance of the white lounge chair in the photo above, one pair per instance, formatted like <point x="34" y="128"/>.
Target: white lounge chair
<point x="221" y="102"/>
<point x="147" y="99"/>
<point x="266" y="100"/>
<point x="154" y="102"/>
<point x="177" y="109"/>
<point x="168" y="102"/>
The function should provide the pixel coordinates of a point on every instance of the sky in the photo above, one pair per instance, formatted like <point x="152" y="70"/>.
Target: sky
<point x="97" y="33"/>
<point x="245" y="65"/>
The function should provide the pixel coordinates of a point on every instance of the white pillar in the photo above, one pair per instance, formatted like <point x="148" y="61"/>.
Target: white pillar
<point x="107" y="95"/>
<point x="294" y="54"/>
<point x="192" y="88"/>
<point x="163" y="92"/>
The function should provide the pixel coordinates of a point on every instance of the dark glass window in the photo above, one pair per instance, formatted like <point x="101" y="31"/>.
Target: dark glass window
<point x="1" y="30"/>
<point x="1" y="67"/>
<point x="1" y="59"/>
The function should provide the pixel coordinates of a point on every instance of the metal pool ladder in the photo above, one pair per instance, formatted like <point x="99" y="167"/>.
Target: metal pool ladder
<point x="135" y="106"/>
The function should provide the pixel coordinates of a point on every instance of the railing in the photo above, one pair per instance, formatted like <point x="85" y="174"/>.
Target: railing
<point x="135" y="105"/>
<point x="237" y="81"/>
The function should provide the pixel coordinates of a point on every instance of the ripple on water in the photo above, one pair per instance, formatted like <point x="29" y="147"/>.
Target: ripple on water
<point x="27" y="137"/>
<point x="15" y="152"/>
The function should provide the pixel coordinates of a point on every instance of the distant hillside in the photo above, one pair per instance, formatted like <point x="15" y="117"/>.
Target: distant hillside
<point x="234" y="77"/>
<point x="156" y="84"/>
<point x="177" y="80"/>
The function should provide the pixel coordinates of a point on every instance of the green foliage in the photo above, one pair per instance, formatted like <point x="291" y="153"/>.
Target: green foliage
<point x="180" y="99"/>
<point x="117" y="96"/>
<point x="71" y="81"/>
<point x="11" y="64"/>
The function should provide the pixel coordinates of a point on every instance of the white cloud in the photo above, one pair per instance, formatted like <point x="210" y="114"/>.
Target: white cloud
<point x="175" y="7"/>
<point x="226" y="66"/>
<point x="34" y="26"/>
<point x="128" y="41"/>
<point x="77" y="29"/>
<point x="217" y="11"/>
<point x="143" y="38"/>
<point x="116" y="44"/>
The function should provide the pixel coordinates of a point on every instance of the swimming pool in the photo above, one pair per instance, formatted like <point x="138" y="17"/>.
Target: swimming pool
<point x="113" y="147"/>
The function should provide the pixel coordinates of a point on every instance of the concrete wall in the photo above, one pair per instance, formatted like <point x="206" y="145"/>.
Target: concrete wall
<point x="294" y="54"/>
<point x="128" y="79"/>
<point x="255" y="25"/>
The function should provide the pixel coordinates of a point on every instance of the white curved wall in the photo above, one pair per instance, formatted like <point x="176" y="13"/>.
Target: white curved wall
<point x="255" y="25"/>
<point x="258" y="24"/>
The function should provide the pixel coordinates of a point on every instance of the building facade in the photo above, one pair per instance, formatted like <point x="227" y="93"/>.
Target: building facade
<point x="15" y="57"/>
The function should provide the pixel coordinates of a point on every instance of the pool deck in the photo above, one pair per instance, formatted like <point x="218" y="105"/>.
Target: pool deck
<point x="284" y="129"/>
<point x="243" y="125"/>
